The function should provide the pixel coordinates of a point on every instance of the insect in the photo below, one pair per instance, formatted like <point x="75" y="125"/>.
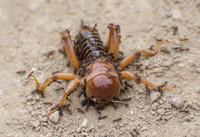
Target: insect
<point x="117" y="120"/>
<point x="95" y="66"/>
<point x="102" y="117"/>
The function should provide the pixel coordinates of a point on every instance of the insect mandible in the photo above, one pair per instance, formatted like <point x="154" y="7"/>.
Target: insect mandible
<point x="95" y="65"/>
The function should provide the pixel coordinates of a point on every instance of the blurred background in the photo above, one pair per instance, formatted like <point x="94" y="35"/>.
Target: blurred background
<point x="30" y="41"/>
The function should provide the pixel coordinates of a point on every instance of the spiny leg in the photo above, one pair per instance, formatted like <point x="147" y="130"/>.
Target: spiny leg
<point x="36" y="81"/>
<point x="119" y="102"/>
<point x="72" y="85"/>
<point x="112" y="45"/>
<point x="57" y="76"/>
<point x="135" y="55"/>
<point x="150" y="54"/>
<point x="128" y="59"/>
<point x="131" y="76"/>
<point x="69" y="49"/>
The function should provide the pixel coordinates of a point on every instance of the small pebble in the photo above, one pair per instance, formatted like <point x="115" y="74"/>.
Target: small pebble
<point x="140" y="107"/>
<point x="24" y="100"/>
<point x="8" y="122"/>
<point x="43" y="119"/>
<point x="45" y="124"/>
<point x="158" y="70"/>
<point x="154" y="133"/>
<point x="177" y="42"/>
<point x="37" y="106"/>
<point x="54" y="117"/>
<point x="155" y="106"/>
<point x="36" y="123"/>
<point x="132" y="112"/>
<point x="29" y="98"/>
<point x="8" y="135"/>
<point x="176" y="14"/>
<point x="161" y="111"/>
<point x="176" y="56"/>
<point x="181" y="65"/>
<point x="144" y="128"/>
<point x="33" y="102"/>
<point x="33" y="113"/>
<point x="154" y="96"/>
<point x="37" y="129"/>
<point x="152" y="112"/>
<point x="49" y="135"/>
<point x="178" y="102"/>
<point x="84" y="134"/>
<point x="37" y="97"/>
<point x="198" y="70"/>
<point x="47" y="101"/>
<point x="168" y="117"/>
<point x="197" y="89"/>
<point x="34" y="69"/>
<point x="43" y="113"/>
<point x="165" y="15"/>
<point x="30" y="109"/>
<point x="84" y="123"/>
<point x="176" y="47"/>
<point x="28" y="104"/>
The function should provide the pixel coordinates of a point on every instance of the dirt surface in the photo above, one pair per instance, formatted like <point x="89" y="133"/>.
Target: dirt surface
<point x="29" y="32"/>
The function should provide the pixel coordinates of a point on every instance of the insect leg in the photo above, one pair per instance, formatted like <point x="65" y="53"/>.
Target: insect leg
<point x="150" y="54"/>
<point x="69" y="49"/>
<point x="72" y="85"/>
<point x="128" y="59"/>
<point x="57" y="76"/>
<point x="112" y="45"/>
<point x="131" y="76"/>
<point x="133" y="56"/>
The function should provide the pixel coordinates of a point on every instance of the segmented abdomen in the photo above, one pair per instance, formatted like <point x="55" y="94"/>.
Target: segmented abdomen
<point x="89" y="45"/>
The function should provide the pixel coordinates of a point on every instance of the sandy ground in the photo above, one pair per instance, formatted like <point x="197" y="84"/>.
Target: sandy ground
<point x="29" y="31"/>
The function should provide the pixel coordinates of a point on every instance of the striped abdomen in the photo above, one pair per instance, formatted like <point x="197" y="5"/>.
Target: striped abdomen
<point x="89" y="44"/>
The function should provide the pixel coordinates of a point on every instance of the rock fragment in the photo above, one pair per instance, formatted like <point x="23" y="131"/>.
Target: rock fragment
<point x="197" y="90"/>
<point x="144" y="128"/>
<point x="36" y="123"/>
<point x="154" y="96"/>
<point x="84" y="134"/>
<point x="176" y="14"/>
<point x="198" y="70"/>
<point x="37" y="97"/>
<point x="178" y="102"/>
<point x="84" y="123"/>
<point x="43" y="119"/>
<point x="54" y="117"/>
<point x="132" y="112"/>
<point x="154" y="133"/>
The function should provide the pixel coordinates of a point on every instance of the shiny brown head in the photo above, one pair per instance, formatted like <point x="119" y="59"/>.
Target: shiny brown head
<point x="103" y="84"/>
